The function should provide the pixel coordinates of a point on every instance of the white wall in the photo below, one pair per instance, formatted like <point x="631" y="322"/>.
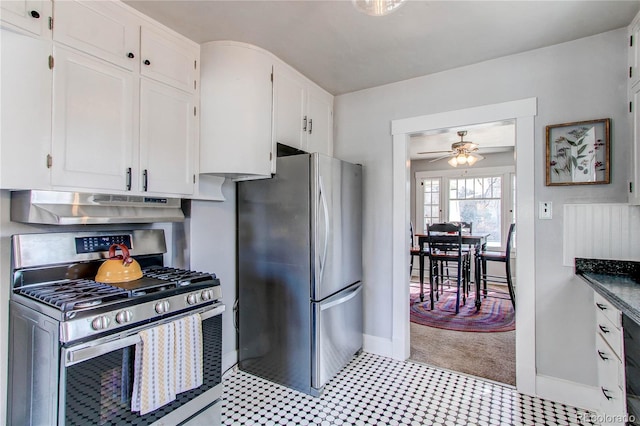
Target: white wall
<point x="213" y="249"/>
<point x="579" y="80"/>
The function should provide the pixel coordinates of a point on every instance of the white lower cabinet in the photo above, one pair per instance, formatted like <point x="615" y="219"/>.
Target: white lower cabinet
<point x="610" y="356"/>
<point x="93" y="134"/>
<point x="167" y="139"/>
<point x="25" y="138"/>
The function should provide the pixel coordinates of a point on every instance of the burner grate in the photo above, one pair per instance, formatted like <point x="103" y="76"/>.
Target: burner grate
<point x="74" y="294"/>
<point x="180" y="276"/>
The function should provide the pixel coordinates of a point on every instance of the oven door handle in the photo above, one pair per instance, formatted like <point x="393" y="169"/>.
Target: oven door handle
<point x="74" y="356"/>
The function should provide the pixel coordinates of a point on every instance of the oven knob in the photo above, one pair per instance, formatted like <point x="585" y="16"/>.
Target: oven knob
<point x="100" y="323"/>
<point x="123" y="317"/>
<point x="162" y="307"/>
<point x="206" y="294"/>
<point x="192" y="299"/>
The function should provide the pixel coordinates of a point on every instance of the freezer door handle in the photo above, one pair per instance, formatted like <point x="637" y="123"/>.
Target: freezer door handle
<point x="351" y="295"/>
<point x="325" y="210"/>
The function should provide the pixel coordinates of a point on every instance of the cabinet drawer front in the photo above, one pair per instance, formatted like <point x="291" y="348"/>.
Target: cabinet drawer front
<point x="100" y="28"/>
<point x="610" y="367"/>
<point x="611" y="334"/>
<point x="609" y="311"/>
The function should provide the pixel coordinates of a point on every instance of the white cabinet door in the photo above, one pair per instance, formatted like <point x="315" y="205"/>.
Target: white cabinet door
<point x="236" y="99"/>
<point x="289" y="109"/>
<point x="30" y="15"/>
<point x="25" y="139"/>
<point x="320" y="126"/>
<point x="634" y="184"/>
<point x="100" y="28"/>
<point x="92" y="122"/>
<point x="168" y="59"/>
<point x="167" y="139"/>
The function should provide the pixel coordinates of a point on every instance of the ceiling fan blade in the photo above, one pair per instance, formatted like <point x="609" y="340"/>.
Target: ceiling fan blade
<point x="440" y="158"/>
<point x="432" y="152"/>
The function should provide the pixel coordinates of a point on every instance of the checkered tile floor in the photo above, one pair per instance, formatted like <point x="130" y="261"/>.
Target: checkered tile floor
<point x="373" y="390"/>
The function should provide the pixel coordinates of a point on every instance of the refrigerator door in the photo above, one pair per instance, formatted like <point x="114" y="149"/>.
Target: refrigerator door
<point x="337" y="334"/>
<point x="336" y="225"/>
<point x="274" y="273"/>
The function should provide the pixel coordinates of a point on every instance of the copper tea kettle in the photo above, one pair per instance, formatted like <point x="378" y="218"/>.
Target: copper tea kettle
<point x="120" y="268"/>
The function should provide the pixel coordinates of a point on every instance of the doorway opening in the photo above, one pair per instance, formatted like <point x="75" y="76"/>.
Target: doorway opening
<point x="523" y="112"/>
<point x="479" y="339"/>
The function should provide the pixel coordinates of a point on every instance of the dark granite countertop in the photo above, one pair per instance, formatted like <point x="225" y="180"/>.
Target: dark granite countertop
<point x="617" y="281"/>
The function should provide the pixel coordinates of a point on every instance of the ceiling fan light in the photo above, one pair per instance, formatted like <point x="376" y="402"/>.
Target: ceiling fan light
<point x="377" y="7"/>
<point x="462" y="159"/>
<point x="453" y="162"/>
<point x="471" y="160"/>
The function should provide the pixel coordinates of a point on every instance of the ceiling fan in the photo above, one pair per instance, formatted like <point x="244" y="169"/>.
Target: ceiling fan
<point x="463" y="152"/>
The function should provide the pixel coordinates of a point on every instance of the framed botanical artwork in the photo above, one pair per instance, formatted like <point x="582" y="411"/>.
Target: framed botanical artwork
<point x="578" y="153"/>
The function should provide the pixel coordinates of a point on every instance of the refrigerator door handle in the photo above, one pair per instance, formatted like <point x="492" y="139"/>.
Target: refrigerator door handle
<point x="351" y="295"/>
<point x="325" y="210"/>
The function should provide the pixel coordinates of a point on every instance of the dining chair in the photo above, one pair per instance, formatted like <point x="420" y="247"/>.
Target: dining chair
<point x="445" y="245"/>
<point x="504" y="257"/>
<point x="413" y="249"/>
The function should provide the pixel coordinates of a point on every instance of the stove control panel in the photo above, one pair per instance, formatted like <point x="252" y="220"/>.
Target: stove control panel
<point x="101" y="243"/>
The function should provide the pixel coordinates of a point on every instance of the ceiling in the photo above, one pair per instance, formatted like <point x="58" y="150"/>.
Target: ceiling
<point x="343" y="50"/>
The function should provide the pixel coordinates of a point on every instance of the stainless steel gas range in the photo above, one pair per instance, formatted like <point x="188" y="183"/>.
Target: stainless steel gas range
<point x="73" y="340"/>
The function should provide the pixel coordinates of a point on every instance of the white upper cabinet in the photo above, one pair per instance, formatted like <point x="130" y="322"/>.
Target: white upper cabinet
<point x="634" y="108"/>
<point x="93" y="132"/>
<point x="166" y="145"/>
<point x="168" y="59"/>
<point x="236" y="101"/>
<point x="100" y="28"/>
<point x="303" y="112"/>
<point x="31" y="16"/>
<point x="25" y="139"/>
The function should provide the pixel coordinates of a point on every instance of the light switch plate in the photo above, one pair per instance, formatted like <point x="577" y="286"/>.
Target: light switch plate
<point x="545" y="210"/>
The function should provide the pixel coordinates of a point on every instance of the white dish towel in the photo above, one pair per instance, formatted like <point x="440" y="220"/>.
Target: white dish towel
<point x="168" y="361"/>
<point x="154" y="369"/>
<point x="188" y="353"/>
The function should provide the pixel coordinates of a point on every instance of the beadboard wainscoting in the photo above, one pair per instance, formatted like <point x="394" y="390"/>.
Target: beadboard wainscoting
<point x="602" y="231"/>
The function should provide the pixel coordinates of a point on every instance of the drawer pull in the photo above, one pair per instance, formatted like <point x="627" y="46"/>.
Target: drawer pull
<point x="601" y="306"/>
<point x="604" y="392"/>
<point x="602" y="355"/>
<point x="604" y="329"/>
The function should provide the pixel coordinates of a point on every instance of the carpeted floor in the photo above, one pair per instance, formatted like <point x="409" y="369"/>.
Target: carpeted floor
<point x="487" y="355"/>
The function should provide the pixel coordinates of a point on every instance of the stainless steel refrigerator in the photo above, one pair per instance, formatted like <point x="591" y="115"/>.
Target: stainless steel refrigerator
<point x="300" y="271"/>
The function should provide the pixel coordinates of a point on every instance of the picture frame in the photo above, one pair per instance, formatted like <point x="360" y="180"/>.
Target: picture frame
<point x="578" y="153"/>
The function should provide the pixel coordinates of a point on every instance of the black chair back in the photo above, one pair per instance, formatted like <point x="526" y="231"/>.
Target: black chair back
<point x="512" y="227"/>
<point x="444" y="238"/>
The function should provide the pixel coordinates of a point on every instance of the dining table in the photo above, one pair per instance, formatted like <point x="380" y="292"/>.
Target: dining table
<point x="476" y="240"/>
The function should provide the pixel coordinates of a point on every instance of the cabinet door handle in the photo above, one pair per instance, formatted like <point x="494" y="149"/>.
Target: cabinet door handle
<point x="131" y="55"/>
<point x="147" y="62"/>
<point x="601" y="306"/>
<point x="604" y="392"/>
<point x="304" y="124"/>
<point x="310" y="125"/>
<point x="602" y="355"/>
<point x="145" y="180"/>
<point x="604" y="329"/>
<point x="35" y="14"/>
<point x="128" y="178"/>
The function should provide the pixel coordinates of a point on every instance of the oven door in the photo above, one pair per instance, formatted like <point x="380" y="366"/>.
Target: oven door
<point x="96" y="378"/>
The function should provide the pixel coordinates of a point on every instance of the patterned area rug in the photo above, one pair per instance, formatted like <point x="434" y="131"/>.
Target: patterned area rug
<point x="496" y="313"/>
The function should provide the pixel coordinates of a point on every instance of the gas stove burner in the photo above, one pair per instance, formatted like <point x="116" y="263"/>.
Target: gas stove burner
<point x="89" y="304"/>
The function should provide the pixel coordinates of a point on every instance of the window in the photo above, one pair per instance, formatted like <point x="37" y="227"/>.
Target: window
<point x="483" y="196"/>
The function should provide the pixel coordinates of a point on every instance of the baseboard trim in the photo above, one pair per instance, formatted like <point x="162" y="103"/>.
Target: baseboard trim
<point x="229" y="359"/>
<point x="567" y="392"/>
<point x="377" y="345"/>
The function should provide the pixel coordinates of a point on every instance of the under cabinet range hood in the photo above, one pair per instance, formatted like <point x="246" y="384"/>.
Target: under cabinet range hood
<point x="75" y="208"/>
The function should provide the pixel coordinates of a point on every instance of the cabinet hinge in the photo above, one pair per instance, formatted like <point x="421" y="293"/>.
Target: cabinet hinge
<point x="631" y="187"/>
<point x="630" y="106"/>
<point x="51" y="23"/>
<point x="194" y="178"/>
<point x="630" y="41"/>
<point x="194" y="85"/>
<point x="272" y="76"/>
<point x="630" y="72"/>
<point x="195" y="65"/>
<point x="50" y="62"/>
<point x="194" y="111"/>
<point x="49" y="161"/>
